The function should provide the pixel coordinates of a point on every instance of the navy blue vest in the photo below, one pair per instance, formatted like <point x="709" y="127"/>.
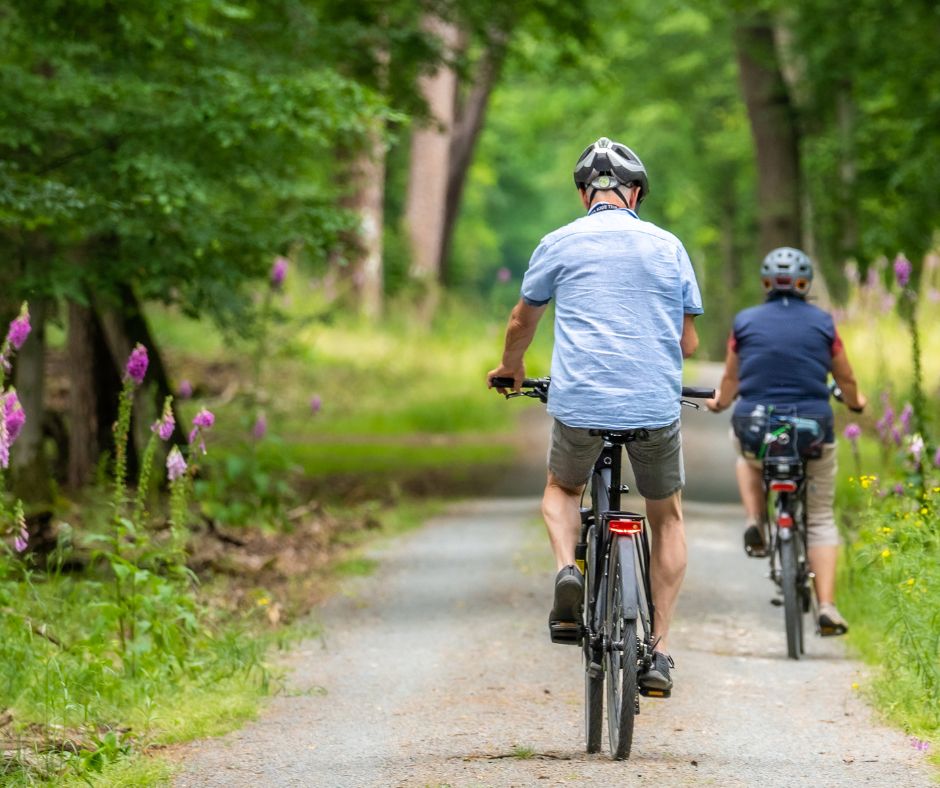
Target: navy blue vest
<point x="785" y="348"/>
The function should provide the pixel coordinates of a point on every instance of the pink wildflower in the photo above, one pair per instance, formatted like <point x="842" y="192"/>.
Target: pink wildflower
<point x="22" y="540"/>
<point x="902" y="270"/>
<point x="12" y="419"/>
<point x="852" y="432"/>
<point x="936" y="459"/>
<point x="503" y="275"/>
<point x="905" y="417"/>
<point x="185" y="389"/>
<point x="899" y="489"/>
<point x="165" y="426"/>
<point x="137" y="364"/>
<point x="175" y="464"/>
<point x="201" y="421"/>
<point x="260" y="429"/>
<point x="315" y="404"/>
<point x="279" y="271"/>
<point x="19" y="328"/>
<point x="917" y="448"/>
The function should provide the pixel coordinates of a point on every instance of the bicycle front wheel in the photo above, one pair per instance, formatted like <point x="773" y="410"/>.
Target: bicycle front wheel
<point x="620" y="662"/>
<point x="792" y="598"/>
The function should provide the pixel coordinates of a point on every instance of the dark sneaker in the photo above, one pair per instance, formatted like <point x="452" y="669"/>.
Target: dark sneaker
<point x="830" y="622"/>
<point x="656" y="682"/>
<point x="754" y="544"/>
<point x="564" y="622"/>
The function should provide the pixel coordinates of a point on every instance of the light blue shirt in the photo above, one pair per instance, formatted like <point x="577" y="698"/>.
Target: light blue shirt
<point x="621" y="287"/>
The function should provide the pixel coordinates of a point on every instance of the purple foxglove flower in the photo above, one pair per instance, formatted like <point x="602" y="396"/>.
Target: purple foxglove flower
<point x="204" y="419"/>
<point x="887" y="302"/>
<point x="279" y="271"/>
<point x="165" y="426"/>
<point x="905" y="417"/>
<point x="19" y="328"/>
<point x="503" y="275"/>
<point x="899" y="489"/>
<point x="13" y="415"/>
<point x="315" y="404"/>
<point x="917" y="448"/>
<point x="902" y="270"/>
<point x="936" y="459"/>
<point x="22" y="540"/>
<point x="137" y="364"/>
<point x="896" y="436"/>
<point x="933" y="295"/>
<point x="852" y="432"/>
<point x="261" y="427"/>
<point x="175" y="464"/>
<point x="185" y="389"/>
<point x="886" y="422"/>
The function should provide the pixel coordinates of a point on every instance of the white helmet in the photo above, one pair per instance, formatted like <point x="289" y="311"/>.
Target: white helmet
<point x="787" y="270"/>
<point x="606" y="164"/>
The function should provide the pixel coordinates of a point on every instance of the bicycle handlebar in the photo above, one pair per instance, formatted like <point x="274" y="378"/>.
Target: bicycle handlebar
<point x="542" y="383"/>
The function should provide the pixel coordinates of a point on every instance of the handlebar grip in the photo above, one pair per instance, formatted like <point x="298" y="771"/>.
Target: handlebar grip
<point x="698" y="392"/>
<point x="503" y="383"/>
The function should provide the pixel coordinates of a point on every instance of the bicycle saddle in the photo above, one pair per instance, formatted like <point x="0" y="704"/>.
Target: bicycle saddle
<point x="622" y="436"/>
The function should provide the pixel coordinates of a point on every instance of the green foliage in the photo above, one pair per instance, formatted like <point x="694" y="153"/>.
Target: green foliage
<point x="172" y="146"/>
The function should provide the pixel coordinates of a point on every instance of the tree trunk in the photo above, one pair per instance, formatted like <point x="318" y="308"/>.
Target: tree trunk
<point x="426" y="201"/>
<point x="31" y="480"/>
<point x="367" y="200"/>
<point x="775" y="133"/>
<point x="83" y="402"/>
<point x="467" y="126"/>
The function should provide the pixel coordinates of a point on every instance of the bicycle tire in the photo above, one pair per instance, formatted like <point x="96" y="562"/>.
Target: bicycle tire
<point x="593" y="678"/>
<point x="620" y="664"/>
<point x="792" y="601"/>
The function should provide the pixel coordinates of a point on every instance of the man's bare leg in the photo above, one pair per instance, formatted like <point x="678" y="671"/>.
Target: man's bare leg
<point x="668" y="561"/>
<point x="561" y="510"/>
<point x="822" y="560"/>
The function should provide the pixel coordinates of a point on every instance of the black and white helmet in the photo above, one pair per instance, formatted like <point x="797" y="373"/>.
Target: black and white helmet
<point x="786" y="270"/>
<point x="606" y="164"/>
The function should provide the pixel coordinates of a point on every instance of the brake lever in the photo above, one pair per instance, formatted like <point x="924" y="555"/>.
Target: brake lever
<point x="688" y="404"/>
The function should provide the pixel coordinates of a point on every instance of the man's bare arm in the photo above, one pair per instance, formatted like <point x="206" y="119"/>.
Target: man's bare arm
<point x="519" y="333"/>
<point x="689" y="340"/>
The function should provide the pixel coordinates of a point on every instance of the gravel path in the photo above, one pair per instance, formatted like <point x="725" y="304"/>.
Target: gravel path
<point x="437" y="671"/>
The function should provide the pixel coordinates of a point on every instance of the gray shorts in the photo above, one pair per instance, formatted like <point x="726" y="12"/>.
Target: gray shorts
<point x="657" y="462"/>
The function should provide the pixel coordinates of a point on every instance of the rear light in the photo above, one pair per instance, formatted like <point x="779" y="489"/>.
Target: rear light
<point x="625" y="527"/>
<point x="783" y="486"/>
<point x="785" y="520"/>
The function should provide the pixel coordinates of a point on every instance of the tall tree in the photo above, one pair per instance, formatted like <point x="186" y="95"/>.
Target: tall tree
<point x="775" y="131"/>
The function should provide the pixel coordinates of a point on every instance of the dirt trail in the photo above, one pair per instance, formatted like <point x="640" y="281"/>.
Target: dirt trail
<point x="438" y="671"/>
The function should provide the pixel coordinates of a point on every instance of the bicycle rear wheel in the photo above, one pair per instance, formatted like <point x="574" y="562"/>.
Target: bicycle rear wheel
<point x="792" y="597"/>
<point x="620" y="662"/>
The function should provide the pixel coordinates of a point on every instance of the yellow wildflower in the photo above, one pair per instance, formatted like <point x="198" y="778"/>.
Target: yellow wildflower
<point x="924" y="510"/>
<point x="886" y="553"/>
<point x="887" y="530"/>
<point x="263" y="601"/>
<point x="910" y="581"/>
<point x="855" y="685"/>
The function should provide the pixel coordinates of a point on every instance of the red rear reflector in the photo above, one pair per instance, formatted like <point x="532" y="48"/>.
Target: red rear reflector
<point x="783" y="486"/>
<point x="784" y="280"/>
<point x="625" y="527"/>
<point x="785" y="520"/>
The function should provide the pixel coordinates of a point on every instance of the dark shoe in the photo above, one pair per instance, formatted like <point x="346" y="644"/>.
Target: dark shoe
<point x="830" y="622"/>
<point x="656" y="682"/>
<point x="564" y="622"/>
<point x="754" y="544"/>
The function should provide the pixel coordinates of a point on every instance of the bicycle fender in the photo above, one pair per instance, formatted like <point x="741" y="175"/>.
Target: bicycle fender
<point x="628" y="578"/>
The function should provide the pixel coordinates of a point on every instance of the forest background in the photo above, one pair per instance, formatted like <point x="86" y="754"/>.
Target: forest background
<point x="315" y="216"/>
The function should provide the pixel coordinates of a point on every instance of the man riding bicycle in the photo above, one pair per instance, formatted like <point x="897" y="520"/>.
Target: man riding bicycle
<point x="625" y="299"/>
<point x="779" y="357"/>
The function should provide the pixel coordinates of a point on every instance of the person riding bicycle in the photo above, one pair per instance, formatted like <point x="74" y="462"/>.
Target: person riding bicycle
<point x="780" y="354"/>
<point x="625" y="299"/>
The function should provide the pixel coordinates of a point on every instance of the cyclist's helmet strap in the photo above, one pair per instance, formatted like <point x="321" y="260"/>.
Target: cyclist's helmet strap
<point x="786" y="270"/>
<point x="608" y="165"/>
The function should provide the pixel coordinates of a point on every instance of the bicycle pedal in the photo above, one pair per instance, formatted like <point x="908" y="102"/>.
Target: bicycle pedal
<point x="648" y="692"/>
<point x="776" y="602"/>
<point x="566" y="634"/>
